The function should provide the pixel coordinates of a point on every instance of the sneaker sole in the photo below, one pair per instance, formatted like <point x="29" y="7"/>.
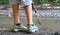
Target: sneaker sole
<point x="30" y="31"/>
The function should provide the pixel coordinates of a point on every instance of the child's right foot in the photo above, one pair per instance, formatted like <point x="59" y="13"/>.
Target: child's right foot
<point x="17" y="28"/>
<point x="32" y="28"/>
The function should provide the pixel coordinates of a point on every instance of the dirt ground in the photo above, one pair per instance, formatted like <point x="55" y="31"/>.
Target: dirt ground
<point x="48" y="25"/>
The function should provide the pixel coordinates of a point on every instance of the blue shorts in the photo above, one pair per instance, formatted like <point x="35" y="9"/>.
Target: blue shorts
<point x="21" y="2"/>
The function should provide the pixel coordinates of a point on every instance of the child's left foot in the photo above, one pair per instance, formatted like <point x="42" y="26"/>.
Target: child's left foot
<point x="32" y="28"/>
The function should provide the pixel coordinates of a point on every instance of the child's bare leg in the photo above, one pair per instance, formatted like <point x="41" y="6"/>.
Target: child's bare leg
<point x="28" y="10"/>
<point x="17" y="24"/>
<point x="31" y="26"/>
<point x="15" y="8"/>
